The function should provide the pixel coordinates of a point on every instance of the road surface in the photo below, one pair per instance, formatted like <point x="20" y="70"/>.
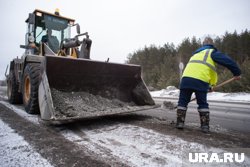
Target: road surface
<point x="233" y="116"/>
<point x="138" y="139"/>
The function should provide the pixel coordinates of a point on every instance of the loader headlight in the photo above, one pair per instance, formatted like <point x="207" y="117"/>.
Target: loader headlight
<point x="39" y="14"/>
<point x="31" y="39"/>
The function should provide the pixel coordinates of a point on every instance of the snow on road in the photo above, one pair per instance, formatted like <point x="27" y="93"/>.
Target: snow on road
<point x="172" y="91"/>
<point x="32" y="118"/>
<point x="15" y="151"/>
<point x="133" y="145"/>
<point x="139" y="147"/>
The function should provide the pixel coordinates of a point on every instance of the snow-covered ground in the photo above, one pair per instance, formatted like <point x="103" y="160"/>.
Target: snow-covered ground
<point x="134" y="145"/>
<point x="32" y="118"/>
<point x="173" y="92"/>
<point x="140" y="147"/>
<point x="15" y="151"/>
<point x="131" y="144"/>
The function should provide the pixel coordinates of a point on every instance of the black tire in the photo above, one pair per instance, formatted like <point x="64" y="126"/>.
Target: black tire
<point x="14" y="96"/>
<point x="31" y="79"/>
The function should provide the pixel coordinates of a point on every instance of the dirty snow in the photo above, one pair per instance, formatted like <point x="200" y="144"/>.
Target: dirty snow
<point x="173" y="92"/>
<point x="84" y="104"/>
<point x="15" y="151"/>
<point x="18" y="109"/>
<point x="139" y="146"/>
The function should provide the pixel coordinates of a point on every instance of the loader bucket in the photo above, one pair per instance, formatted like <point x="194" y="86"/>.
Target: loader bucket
<point x="72" y="89"/>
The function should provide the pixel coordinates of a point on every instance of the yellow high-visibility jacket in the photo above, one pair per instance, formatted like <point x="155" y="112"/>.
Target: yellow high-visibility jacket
<point x="201" y="66"/>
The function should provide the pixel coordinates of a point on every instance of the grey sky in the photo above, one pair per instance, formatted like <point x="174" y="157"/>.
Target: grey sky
<point x="119" y="27"/>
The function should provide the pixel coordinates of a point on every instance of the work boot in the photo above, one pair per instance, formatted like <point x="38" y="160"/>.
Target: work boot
<point x="204" y="117"/>
<point x="181" y="114"/>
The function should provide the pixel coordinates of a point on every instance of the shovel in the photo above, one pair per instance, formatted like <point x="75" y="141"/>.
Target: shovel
<point x="171" y="106"/>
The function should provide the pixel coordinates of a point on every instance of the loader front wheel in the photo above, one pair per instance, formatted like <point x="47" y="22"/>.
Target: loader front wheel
<point x="30" y="88"/>
<point x="14" y="96"/>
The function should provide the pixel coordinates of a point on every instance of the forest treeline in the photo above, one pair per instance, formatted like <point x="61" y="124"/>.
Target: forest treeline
<point x="160" y="64"/>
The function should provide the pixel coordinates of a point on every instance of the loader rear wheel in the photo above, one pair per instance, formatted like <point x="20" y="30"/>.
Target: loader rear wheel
<point x="30" y="88"/>
<point x="14" y="96"/>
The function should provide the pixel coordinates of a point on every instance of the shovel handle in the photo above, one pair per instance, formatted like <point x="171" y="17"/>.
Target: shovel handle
<point x="224" y="83"/>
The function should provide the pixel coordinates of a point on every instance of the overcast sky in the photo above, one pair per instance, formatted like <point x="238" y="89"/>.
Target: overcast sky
<point x="119" y="27"/>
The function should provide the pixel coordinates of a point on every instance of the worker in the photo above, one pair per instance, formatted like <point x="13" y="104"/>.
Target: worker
<point x="51" y="41"/>
<point x="200" y="76"/>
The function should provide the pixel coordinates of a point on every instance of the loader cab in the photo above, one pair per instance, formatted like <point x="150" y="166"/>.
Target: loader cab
<point x="47" y="30"/>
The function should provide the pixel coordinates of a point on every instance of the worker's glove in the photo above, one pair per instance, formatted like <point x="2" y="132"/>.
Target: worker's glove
<point x="237" y="77"/>
<point x="210" y="89"/>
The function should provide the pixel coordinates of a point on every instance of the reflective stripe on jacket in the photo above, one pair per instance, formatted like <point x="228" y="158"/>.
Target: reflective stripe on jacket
<point x="201" y="66"/>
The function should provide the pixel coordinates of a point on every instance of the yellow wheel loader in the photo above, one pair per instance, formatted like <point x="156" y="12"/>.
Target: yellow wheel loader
<point x="56" y="77"/>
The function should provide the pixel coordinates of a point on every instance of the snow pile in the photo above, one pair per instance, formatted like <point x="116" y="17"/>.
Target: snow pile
<point x="173" y="92"/>
<point x="237" y="97"/>
<point x="170" y="91"/>
<point x="15" y="151"/>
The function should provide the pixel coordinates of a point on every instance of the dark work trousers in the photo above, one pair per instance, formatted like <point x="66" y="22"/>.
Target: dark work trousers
<point x="185" y="96"/>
